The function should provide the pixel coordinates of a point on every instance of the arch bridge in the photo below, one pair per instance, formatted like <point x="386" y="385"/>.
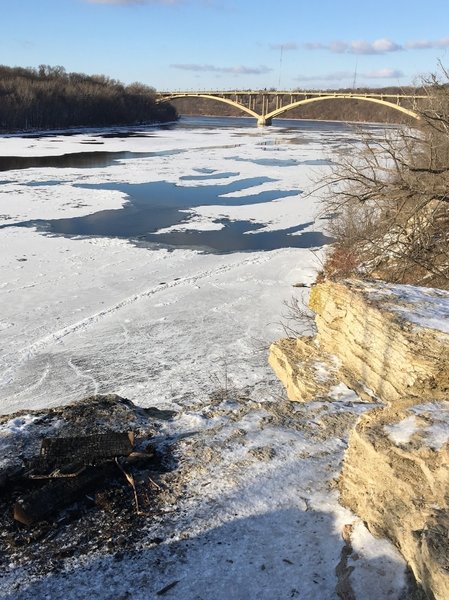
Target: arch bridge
<point x="266" y="105"/>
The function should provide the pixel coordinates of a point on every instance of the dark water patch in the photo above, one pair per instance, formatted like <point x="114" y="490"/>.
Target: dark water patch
<point x="346" y="140"/>
<point x="279" y="162"/>
<point x="49" y="182"/>
<point x="193" y="122"/>
<point x="224" y="175"/>
<point x="82" y="160"/>
<point x="311" y="126"/>
<point x="126" y="134"/>
<point x="45" y="134"/>
<point x="316" y="162"/>
<point x="93" y="143"/>
<point x="155" y="206"/>
<point x="267" y="162"/>
<point x="236" y="236"/>
<point x="131" y="222"/>
<point x="120" y="131"/>
<point x="156" y="195"/>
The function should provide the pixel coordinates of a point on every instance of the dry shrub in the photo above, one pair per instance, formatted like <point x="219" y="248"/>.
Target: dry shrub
<point x="341" y="262"/>
<point x="390" y="200"/>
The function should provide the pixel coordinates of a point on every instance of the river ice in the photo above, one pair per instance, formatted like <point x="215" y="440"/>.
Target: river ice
<point x="174" y="328"/>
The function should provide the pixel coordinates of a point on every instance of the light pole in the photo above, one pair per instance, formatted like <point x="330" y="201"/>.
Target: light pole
<point x="280" y="66"/>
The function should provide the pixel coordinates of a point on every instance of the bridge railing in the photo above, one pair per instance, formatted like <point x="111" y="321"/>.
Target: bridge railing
<point x="287" y="93"/>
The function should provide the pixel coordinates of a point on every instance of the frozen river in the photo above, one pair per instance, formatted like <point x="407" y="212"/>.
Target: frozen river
<point x="142" y="262"/>
<point x="155" y="264"/>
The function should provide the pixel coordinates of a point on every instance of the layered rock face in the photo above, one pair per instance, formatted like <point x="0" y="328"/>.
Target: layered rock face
<point x="390" y="342"/>
<point x="393" y="338"/>
<point x="396" y="478"/>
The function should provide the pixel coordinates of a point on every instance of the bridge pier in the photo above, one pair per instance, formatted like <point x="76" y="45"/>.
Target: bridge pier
<point x="263" y="122"/>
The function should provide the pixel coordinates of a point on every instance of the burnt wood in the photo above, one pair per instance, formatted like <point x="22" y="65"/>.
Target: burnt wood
<point x="59" y="493"/>
<point x="68" y="454"/>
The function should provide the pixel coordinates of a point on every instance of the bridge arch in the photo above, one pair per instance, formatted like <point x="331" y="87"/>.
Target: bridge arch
<point x="266" y="119"/>
<point x="215" y="98"/>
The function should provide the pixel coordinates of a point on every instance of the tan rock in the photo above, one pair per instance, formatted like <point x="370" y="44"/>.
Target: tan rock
<point x="306" y="372"/>
<point x="391" y="342"/>
<point x="382" y="336"/>
<point x="396" y="478"/>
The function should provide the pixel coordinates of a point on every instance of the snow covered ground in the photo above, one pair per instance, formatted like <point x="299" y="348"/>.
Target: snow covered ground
<point x="187" y="329"/>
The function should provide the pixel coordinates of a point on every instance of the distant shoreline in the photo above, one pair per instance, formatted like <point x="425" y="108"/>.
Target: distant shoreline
<point x="81" y="129"/>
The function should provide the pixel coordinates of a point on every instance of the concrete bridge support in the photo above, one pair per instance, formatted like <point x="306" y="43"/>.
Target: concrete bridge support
<point x="263" y="121"/>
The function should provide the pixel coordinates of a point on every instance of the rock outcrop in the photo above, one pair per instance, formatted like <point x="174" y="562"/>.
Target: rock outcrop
<point x="392" y="338"/>
<point x="306" y="372"/>
<point x="396" y="478"/>
<point x="390" y="343"/>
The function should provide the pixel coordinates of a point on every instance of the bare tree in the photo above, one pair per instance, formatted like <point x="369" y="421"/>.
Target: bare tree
<point x="390" y="200"/>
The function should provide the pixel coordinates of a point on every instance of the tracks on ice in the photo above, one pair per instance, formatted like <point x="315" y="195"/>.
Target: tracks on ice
<point x="56" y="336"/>
<point x="83" y="375"/>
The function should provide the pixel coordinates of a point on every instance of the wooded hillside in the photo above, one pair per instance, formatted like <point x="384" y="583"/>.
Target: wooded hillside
<point x="49" y="97"/>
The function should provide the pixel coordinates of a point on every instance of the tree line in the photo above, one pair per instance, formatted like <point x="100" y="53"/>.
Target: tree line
<point x="49" y="97"/>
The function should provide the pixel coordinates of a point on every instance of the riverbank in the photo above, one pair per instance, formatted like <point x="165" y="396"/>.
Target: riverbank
<point x="394" y="470"/>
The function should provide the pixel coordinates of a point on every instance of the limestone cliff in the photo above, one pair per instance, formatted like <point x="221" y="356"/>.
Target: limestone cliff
<point x="390" y="343"/>
<point x="393" y="338"/>
<point x="396" y="478"/>
<point x="390" y="339"/>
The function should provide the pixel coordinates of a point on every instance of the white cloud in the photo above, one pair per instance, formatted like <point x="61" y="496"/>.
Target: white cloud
<point x="338" y="47"/>
<point x="385" y="45"/>
<point x="361" y="47"/>
<point x="236" y="70"/>
<point x="425" y="44"/>
<point x="315" y="46"/>
<point x="336" y="76"/>
<point x="384" y="74"/>
<point x="419" y="45"/>
<point x="380" y="46"/>
<point x="349" y="75"/>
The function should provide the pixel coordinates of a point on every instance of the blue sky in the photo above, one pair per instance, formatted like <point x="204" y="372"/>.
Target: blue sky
<point x="228" y="44"/>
